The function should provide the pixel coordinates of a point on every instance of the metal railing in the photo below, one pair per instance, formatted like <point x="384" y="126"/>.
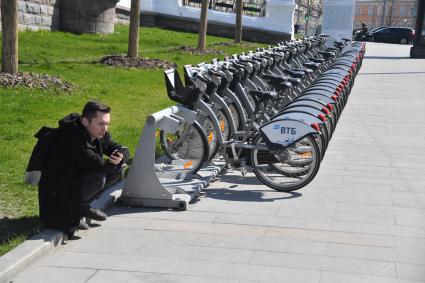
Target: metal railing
<point x="253" y="8"/>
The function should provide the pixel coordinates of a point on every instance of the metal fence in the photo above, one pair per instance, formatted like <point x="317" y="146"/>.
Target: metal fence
<point x="253" y="8"/>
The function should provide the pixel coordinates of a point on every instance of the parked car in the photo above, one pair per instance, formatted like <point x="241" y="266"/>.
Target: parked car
<point x="392" y="35"/>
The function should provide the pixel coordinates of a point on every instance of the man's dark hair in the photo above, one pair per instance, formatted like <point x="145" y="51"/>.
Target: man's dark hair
<point x="91" y="107"/>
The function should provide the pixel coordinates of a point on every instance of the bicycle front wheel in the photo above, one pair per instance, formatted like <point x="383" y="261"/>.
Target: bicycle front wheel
<point x="274" y="170"/>
<point x="187" y="148"/>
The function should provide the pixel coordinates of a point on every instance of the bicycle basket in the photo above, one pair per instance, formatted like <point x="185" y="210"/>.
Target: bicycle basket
<point x="176" y="91"/>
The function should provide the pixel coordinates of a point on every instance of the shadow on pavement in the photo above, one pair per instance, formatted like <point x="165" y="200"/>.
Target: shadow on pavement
<point x="246" y="195"/>
<point x="239" y="179"/>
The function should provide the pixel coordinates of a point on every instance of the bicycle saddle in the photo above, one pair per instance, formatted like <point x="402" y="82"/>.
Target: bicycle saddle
<point x="263" y="95"/>
<point x="295" y="74"/>
<point x="316" y="60"/>
<point x="311" y="65"/>
<point x="275" y="79"/>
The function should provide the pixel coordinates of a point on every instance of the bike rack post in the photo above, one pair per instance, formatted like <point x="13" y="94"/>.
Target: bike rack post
<point x="144" y="185"/>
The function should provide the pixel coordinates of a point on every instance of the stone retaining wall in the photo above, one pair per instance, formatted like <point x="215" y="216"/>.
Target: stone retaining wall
<point x="77" y="16"/>
<point x="38" y="14"/>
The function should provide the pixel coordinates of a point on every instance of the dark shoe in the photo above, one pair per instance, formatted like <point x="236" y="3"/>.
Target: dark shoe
<point x="93" y="213"/>
<point x="83" y="225"/>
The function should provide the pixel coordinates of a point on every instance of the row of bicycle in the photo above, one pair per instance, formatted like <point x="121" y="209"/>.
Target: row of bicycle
<point x="272" y="111"/>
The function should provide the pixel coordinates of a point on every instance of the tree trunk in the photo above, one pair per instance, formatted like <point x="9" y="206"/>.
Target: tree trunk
<point x="238" y="28"/>
<point x="133" y="38"/>
<point x="203" y="25"/>
<point x="9" y="23"/>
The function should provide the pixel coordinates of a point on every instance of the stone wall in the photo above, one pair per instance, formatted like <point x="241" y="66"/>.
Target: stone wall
<point x="38" y="14"/>
<point x="79" y="16"/>
<point x="92" y="16"/>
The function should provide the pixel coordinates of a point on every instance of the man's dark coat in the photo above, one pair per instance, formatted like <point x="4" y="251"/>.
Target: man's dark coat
<point x="72" y="155"/>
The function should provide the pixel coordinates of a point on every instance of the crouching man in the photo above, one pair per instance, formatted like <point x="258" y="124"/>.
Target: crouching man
<point x="76" y="168"/>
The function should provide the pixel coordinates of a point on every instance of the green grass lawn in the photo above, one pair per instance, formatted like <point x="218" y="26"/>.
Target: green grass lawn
<point x="131" y="93"/>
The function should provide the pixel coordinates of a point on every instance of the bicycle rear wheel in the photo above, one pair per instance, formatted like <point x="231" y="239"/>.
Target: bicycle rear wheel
<point x="187" y="148"/>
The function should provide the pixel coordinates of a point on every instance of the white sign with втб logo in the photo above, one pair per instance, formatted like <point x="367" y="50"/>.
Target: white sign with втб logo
<point x="338" y="18"/>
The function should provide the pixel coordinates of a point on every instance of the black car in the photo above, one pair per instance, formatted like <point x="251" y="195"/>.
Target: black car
<point x="392" y="35"/>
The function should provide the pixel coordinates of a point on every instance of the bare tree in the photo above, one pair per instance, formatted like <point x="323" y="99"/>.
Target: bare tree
<point x="203" y="25"/>
<point x="9" y="24"/>
<point x="133" y="37"/>
<point x="238" y="28"/>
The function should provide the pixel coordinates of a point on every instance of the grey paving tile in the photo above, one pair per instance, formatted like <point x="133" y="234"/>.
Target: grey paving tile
<point x="412" y="202"/>
<point x="269" y="209"/>
<point x="411" y="271"/>
<point x="132" y="242"/>
<point x="407" y="176"/>
<point x="369" y="180"/>
<point x="328" y="263"/>
<point x="386" y="169"/>
<point x="408" y="195"/>
<point x="405" y="254"/>
<point x="106" y="276"/>
<point x="247" y="272"/>
<point x="274" y="221"/>
<point x="363" y="161"/>
<point x="337" y="216"/>
<point x="350" y="197"/>
<point x="332" y="237"/>
<point x="200" y="227"/>
<point x="116" y="222"/>
<point x="381" y="210"/>
<point x="410" y="221"/>
<point x="263" y="244"/>
<point x="363" y="218"/>
<point x="413" y="165"/>
<point x="109" y="262"/>
<point x="337" y="277"/>
<point x="378" y="229"/>
<point x="38" y="274"/>
<point x="361" y="188"/>
<point x="353" y="173"/>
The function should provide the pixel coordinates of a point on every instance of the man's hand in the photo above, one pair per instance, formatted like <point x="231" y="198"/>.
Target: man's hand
<point x="115" y="158"/>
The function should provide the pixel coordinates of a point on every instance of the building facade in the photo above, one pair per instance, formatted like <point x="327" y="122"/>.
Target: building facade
<point x="376" y="13"/>
<point x="308" y="13"/>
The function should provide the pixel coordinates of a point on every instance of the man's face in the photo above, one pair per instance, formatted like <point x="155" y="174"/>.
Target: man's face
<point x="98" y="125"/>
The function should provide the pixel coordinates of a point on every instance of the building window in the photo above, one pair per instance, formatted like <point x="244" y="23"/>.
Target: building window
<point x="412" y="11"/>
<point x="394" y="12"/>
<point x="370" y="11"/>
<point x="358" y="11"/>
<point x="402" y="11"/>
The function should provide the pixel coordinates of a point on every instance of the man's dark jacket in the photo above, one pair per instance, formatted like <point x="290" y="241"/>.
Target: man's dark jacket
<point x="72" y="155"/>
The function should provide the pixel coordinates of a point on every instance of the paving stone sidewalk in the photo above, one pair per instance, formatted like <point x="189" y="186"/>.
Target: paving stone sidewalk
<point x="361" y="220"/>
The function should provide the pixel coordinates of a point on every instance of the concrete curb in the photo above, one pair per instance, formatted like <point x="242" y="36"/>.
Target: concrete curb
<point x="32" y="249"/>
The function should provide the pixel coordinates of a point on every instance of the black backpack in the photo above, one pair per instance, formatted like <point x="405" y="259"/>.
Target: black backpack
<point x="46" y="138"/>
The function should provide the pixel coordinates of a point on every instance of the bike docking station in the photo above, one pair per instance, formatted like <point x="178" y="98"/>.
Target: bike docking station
<point x="285" y="139"/>
<point x="154" y="182"/>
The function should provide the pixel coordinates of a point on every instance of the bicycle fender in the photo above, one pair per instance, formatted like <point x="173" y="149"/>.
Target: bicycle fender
<point x="281" y="133"/>
<point x="311" y="110"/>
<point x="320" y="97"/>
<point x="305" y="102"/>
<point x="299" y="116"/>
